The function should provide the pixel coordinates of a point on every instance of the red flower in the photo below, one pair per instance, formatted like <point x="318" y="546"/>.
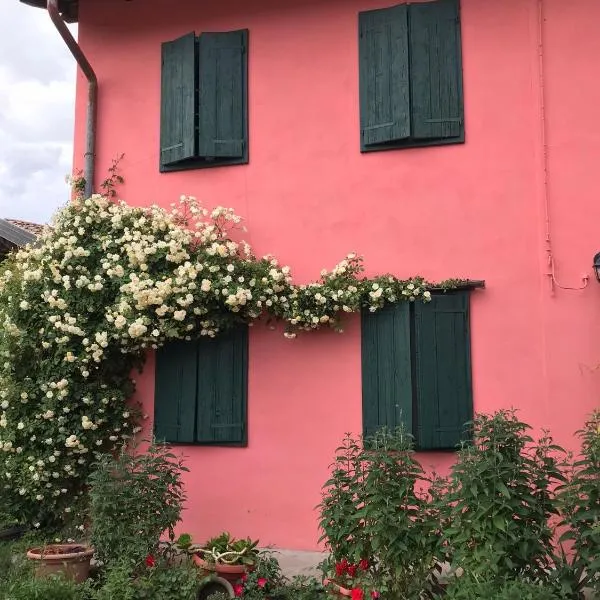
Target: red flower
<point x="341" y="567"/>
<point x="238" y="590"/>
<point x="261" y="582"/>
<point x="357" y="594"/>
<point x="351" y="570"/>
<point x="363" y="565"/>
<point x="244" y="578"/>
<point x="150" y="561"/>
<point x="375" y="594"/>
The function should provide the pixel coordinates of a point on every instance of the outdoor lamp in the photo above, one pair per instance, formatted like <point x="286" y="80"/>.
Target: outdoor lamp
<point x="597" y="266"/>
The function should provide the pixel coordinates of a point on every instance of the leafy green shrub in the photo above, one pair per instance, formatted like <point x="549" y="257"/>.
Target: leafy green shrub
<point x="377" y="526"/>
<point x="134" y="499"/>
<point x="471" y="588"/>
<point x="500" y="499"/>
<point x="161" y="581"/>
<point x="31" y="588"/>
<point x="579" y="563"/>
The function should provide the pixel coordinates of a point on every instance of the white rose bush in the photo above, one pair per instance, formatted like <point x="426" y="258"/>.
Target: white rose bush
<point x="107" y="283"/>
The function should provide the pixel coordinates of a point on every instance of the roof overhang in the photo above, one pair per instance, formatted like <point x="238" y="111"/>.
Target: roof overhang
<point x="12" y="235"/>
<point x="67" y="8"/>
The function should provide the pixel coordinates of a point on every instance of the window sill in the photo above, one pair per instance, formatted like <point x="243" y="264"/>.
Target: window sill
<point x="243" y="444"/>
<point x="202" y="163"/>
<point x="412" y="144"/>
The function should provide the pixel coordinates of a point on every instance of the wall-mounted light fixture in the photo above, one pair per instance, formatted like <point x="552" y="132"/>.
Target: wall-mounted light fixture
<point x="597" y="266"/>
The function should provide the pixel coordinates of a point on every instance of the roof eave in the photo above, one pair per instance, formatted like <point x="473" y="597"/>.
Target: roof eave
<point x="69" y="9"/>
<point x="15" y="235"/>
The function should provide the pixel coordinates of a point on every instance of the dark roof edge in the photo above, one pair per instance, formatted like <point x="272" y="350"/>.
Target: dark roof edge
<point x="15" y="235"/>
<point x="69" y="9"/>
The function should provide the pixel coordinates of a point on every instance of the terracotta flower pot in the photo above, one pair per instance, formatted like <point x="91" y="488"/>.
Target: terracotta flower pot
<point x="72" y="561"/>
<point x="231" y="573"/>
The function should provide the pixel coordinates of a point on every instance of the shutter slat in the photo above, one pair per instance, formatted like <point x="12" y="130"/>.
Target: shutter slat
<point x="175" y="393"/>
<point x="384" y="77"/>
<point x="222" y="388"/>
<point x="386" y="369"/>
<point x="222" y="111"/>
<point x="436" y="70"/>
<point x="443" y="371"/>
<point x="178" y="100"/>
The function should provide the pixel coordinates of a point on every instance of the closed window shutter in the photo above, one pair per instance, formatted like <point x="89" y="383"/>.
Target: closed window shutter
<point x="436" y="70"/>
<point x="222" y="111"/>
<point x="443" y="371"/>
<point x="222" y="388"/>
<point x="384" y="76"/>
<point x="386" y="369"/>
<point x="178" y="100"/>
<point x="175" y="393"/>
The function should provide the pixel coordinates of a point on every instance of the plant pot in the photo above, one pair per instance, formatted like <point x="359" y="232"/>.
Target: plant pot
<point x="231" y="573"/>
<point x="72" y="561"/>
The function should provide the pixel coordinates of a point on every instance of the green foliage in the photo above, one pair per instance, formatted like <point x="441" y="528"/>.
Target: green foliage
<point x="264" y="580"/>
<point x="226" y="549"/>
<point x="47" y="589"/>
<point x="485" y="588"/>
<point x="499" y="501"/>
<point x="164" y="581"/>
<point x="579" y="497"/>
<point x="301" y="588"/>
<point x="377" y="525"/>
<point x="134" y="498"/>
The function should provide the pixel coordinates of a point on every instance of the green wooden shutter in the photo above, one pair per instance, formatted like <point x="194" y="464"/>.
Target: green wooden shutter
<point x="384" y="79"/>
<point x="178" y="100"/>
<point x="443" y="370"/>
<point x="175" y="392"/>
<point x="223" y="102"/>
<point x="436" y="70"/>
<point x="386" y="369"/>
<point x="222" y="388"/>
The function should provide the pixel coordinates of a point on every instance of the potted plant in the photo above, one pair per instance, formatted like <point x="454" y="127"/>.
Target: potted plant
<point x="226" y="556"/>
<point x="72" y="561"/>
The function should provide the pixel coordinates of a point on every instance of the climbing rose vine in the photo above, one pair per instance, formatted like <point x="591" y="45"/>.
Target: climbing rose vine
<point x="107" y="282"/>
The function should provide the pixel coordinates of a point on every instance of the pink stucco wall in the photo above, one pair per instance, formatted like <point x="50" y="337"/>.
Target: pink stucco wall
<point x="475" y="210"/>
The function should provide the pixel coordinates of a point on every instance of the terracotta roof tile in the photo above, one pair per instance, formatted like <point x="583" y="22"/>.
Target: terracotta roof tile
<point x="34" y="228"/>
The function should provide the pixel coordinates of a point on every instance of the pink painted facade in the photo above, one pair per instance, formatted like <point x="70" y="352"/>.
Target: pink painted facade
<point x="480" y="210"/>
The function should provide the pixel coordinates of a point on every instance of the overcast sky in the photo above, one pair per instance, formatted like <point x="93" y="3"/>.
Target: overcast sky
<point x="37" y="94"/>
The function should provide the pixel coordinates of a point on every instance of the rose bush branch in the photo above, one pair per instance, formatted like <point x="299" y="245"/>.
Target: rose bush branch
<point x="108" y="282"/>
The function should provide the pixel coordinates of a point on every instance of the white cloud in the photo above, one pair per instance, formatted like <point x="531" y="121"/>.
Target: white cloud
<point x="37" y="95"/>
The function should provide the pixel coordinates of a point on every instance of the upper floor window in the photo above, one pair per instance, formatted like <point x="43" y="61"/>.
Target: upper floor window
<point x="204" y="101"/>
<point x="411" y="76"/>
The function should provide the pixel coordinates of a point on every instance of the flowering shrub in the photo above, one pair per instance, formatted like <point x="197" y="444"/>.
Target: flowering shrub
<point x="378" y="527"/>
<point x="79" y="310"/>
<point x="134" y="499"/>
